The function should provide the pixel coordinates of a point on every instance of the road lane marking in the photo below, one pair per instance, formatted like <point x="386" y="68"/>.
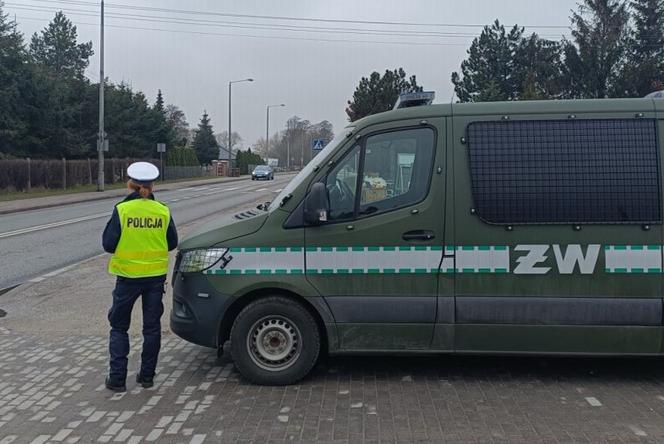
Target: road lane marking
<point x="593" y="401"/>
<point x="53" y="225"/>
<point x="54" y="273"/>
<point x="637" y="431"/>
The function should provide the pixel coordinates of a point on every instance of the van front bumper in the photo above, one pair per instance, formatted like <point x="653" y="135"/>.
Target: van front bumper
<point x="197" y="309"/>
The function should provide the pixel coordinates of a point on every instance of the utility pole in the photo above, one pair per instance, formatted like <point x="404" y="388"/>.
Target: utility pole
<point x="229" y="120"/>
<point x="288" y="132"/>
<point x="228" y="147"/>
<point x="102" y="135"/>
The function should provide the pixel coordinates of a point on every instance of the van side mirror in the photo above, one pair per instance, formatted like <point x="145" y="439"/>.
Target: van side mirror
<point x="316" y="205"/>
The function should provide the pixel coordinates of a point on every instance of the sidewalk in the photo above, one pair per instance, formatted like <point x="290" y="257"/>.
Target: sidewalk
<point x="64" y="199"/>
<point x="54" y="359"/>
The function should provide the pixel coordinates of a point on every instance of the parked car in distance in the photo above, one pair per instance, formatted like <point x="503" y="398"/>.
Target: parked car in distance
<point x="262" y="172"/>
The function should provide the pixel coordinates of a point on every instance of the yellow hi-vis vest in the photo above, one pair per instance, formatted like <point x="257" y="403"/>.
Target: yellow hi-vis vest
<point x="143" y="248"/>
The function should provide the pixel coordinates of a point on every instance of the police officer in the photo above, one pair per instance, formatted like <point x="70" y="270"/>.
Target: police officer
<point x="140" y="234"/>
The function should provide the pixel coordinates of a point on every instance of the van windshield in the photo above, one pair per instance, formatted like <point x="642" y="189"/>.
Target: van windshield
<point x="308" y="169"/>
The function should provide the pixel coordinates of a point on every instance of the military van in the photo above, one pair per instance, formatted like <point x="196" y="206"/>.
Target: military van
<point x="515" y="228"/>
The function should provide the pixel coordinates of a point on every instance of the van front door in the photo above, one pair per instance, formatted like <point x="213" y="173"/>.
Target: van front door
<point x="376" y="259"/>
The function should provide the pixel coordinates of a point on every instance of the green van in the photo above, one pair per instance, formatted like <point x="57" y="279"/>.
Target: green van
<point x="515" y="228"/>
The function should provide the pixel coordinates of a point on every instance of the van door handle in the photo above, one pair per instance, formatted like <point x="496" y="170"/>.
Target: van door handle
<point x="418" y="235"/>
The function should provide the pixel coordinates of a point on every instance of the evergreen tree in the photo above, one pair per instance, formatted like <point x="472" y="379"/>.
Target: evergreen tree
<point x="164" y="131"/>
<point x="377" y="93"/>
<point x="131" y="123"/>
<point x="48" y="109"/>
<point x="489" y="73"/>
<point x="57" y="48"/>
<point x="205" y="144"/>
<point x="59" y="66"/>
<point x="14" y="73"/>
<point x="592" y="60"/>
<point x="181" y="156"/>
<point x="643" y="69"/>
<point x="245" y="159"/>
<point x="159" y="103"/>
<point x="538" y="69"/>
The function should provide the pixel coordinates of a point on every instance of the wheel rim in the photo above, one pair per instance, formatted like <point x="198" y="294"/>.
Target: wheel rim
<point x="274" y="343"/>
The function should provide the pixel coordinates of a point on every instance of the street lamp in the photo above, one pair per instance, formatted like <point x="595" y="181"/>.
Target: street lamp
<point x="267" y="129"/>
<point x="229" y="119"/>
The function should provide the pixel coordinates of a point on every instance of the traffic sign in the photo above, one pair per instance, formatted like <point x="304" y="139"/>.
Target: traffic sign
<point x="161" y="147"/>
<point x="103" y="145"/>
<point x="318" y="144"/>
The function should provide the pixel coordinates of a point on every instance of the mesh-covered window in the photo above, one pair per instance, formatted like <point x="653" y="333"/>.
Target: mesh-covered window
<point x="565" y="171"/>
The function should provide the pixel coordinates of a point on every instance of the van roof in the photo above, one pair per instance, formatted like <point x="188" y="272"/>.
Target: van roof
<point x="516" y="107"/>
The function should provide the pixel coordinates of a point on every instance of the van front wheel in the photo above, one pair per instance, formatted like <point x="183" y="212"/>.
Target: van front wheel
<point x="275" y="341"/>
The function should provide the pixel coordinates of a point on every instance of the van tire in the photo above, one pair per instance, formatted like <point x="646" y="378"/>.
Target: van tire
<point x="271" y="328"/>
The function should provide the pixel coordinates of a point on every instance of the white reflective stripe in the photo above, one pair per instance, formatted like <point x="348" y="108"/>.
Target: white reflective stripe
<point x="258" y="260"/>
<point x="381" y="259"/>
<point x="417" y="260"/>
<point x="482" y="259"/>
<point x="633" y="258"/>
<point x="448" y="265"/>
<point x="335" y="260"/>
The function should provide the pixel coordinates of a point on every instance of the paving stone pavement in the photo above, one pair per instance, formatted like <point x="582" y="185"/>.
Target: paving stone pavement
<point x="53" y="359"/>
<point x="51" y="390"/>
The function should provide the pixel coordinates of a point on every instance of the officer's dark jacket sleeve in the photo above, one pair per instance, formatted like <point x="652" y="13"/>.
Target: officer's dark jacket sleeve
<point x="172" y="235"/>
<point x="111" y="236"/>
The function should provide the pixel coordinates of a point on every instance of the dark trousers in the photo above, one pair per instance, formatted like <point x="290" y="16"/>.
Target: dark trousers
<point x="125" y="294"/>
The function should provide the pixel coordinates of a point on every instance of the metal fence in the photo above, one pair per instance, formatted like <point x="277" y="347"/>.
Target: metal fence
<point x="26" y="174"/>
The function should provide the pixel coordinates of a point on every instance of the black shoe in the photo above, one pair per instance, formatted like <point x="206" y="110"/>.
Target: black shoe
<point x="115" y="387"/>
<point x="145" y="381"/>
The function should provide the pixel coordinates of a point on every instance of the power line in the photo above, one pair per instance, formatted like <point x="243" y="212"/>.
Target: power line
<point x="244" y="25"/>
<point x="257" y="26"/>
<point x="290" y="18"/>
<point x="262" y="36"/>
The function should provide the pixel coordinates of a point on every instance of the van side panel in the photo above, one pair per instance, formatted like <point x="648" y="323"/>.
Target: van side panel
<point x="553" y="288"/>
<point x="380" y="286"/>
<point x="263" y="262"/>
<point x="659" y="107"/>
<point x="446" y="317"/>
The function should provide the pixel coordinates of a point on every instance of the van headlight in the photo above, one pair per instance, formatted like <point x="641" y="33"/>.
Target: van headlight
<point x="193" y="261"/>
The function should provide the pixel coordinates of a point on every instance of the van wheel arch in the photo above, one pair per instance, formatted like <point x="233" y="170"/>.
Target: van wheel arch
<point x="226" y="323"/>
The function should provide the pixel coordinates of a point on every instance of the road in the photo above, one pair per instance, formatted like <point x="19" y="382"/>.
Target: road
<point x="34" y="243"/>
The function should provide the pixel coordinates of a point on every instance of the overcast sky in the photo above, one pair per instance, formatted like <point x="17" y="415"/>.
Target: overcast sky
<point x="192" y="62"/>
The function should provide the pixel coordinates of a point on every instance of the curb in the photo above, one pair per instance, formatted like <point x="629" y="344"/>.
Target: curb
<point x="167" y="187"/>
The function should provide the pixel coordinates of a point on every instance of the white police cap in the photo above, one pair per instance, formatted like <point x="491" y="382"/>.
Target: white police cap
<point x="143" y="171"/>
